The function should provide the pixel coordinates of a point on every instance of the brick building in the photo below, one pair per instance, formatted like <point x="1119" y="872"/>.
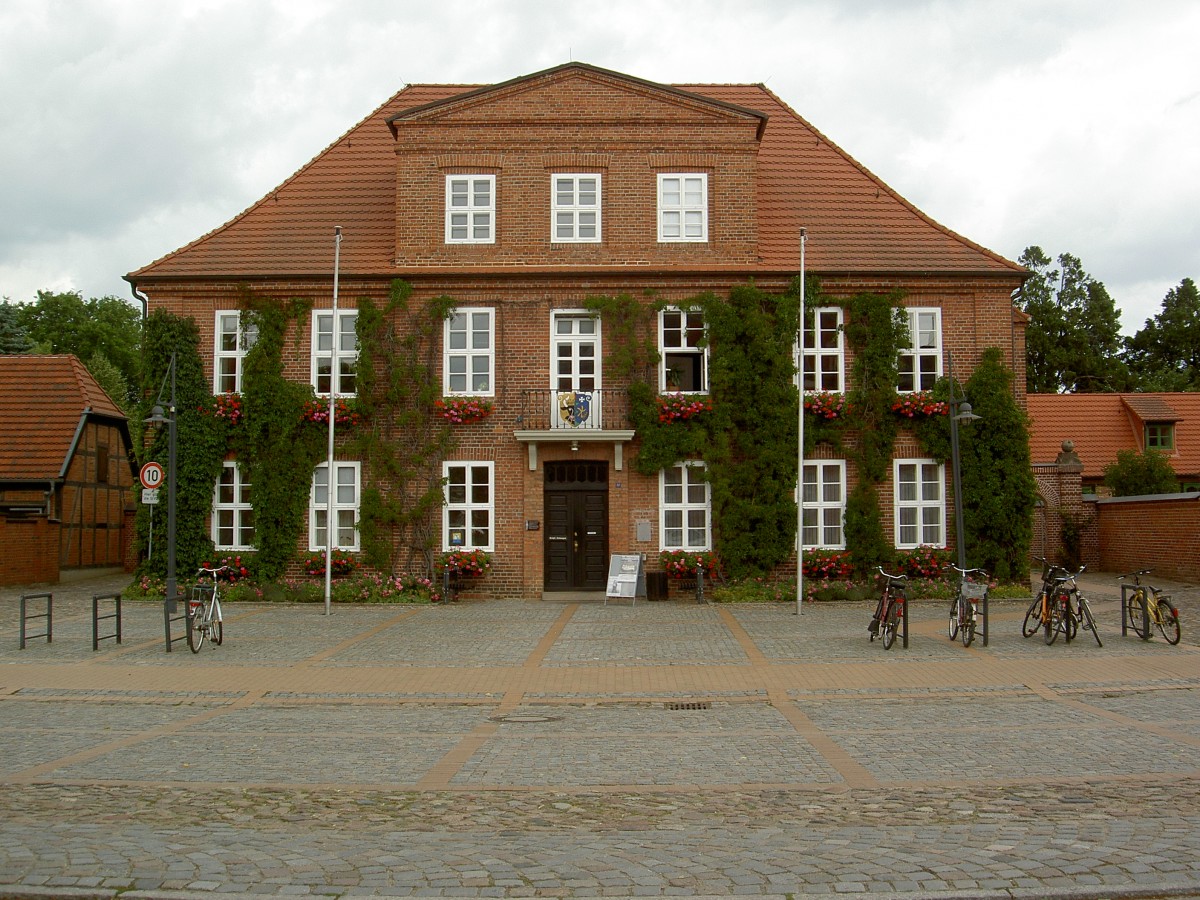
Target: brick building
<point x="520" y="200"/>
<point x="66" y="470"/>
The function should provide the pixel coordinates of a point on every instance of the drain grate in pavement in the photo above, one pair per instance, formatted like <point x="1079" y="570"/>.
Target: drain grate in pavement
<point x="525" y="718"/>
<point x="693" y="704"/>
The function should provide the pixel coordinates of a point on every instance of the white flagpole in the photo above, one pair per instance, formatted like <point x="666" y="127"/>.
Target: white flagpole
<point x="330" y="525"/>
<point x="800" y="446"/>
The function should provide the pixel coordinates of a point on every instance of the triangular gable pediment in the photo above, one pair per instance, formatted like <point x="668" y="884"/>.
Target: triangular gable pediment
<point x="579" y="94"/>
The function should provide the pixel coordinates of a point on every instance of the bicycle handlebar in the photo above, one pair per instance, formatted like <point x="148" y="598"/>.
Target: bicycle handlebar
<point x="211" y="571"/>
<point x="890" y="575"/>
<point x="966" y="572"/>
<point x="1136" y="574"/>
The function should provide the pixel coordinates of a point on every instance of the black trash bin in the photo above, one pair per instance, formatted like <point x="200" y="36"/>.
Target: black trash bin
<point x="656" y="585"/>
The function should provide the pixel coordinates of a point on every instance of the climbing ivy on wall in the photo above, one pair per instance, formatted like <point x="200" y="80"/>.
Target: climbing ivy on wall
<point x="401" y="444"/>
<point x="199" y="444"/>
<point x="876" y="330"/>
<point x="277" y="448"/>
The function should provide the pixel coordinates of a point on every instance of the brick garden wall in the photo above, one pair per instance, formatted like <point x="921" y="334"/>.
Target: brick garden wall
<point x="1160" y="533"/>
<point x="31" y="551"/>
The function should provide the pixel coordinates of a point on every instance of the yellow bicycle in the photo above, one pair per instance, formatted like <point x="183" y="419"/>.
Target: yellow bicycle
<point x="1146" y="605"/>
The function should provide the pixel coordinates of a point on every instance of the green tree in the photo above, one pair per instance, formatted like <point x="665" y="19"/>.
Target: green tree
<point x="1165" y="354"/>
<point x="13" y="336"/>
<point x="112" y="380"/>
<point x="1137" y="474"/>
<point x="1073" y="341"/>
<point x="65" y="323"/>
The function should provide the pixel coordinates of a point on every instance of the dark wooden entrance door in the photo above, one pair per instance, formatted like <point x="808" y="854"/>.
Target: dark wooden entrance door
<point x="576" y="544"/>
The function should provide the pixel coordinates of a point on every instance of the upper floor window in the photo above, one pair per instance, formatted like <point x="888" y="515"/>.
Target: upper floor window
<point x="685" y="507"/>
<point x="470" y="209"/>
<point x="1160" y="435"/>
<point x="682" y="208"/>
<point x="323" y="336"/>
<point x="346" y="494"/>
<point x="230" y="348"/>
<point x="920" y="363"/>
<point x="824" y="356"/>
<point x="824" y="504"/>
<point x="575" y="208"/>
<point x="684" y="363"/>
<point x="233" y="513"/>
<point x="920" y="503"/>
<point x="469" y="510"/>
<point x="468" y="363"/>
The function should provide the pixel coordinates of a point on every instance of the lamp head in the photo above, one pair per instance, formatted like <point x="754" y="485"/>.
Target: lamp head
<point x="157" y="416"/>
<point x="965" y="414"/>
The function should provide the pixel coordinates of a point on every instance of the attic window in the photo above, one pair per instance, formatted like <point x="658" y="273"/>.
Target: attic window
<point x="470" y="209"/>
<point x="1160" y="435"/>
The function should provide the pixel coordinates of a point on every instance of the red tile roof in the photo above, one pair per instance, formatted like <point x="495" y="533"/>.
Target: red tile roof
<point x="42" y="402"/>
<point x="1101" y="425"/>
<point x="855" y="222"/>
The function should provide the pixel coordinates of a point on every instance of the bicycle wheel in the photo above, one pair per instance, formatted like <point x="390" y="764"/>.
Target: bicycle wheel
<point x="966" y="631"/>
<point x="218" y="628"/>
<point x="1136" y="616"/>
<point x="1053" y="626"/>
<point x="889" y="626"/>
<point x="1070" y="624"/>
<point x="952" y="624"/>
<point x="1088" y="620"/>
<point x="195" y="632"/>
<point x="1168" y="621"/>
<point x="1033" y="618"/>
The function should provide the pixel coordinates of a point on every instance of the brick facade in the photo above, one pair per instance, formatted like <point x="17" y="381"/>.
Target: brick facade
<point x="767" y="174"/>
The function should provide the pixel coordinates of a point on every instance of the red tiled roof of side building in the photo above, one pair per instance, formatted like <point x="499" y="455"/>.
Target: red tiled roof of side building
<point x="1101" y="425"/>
<point x="855" y="222"/>
<point x="42" y="399"/>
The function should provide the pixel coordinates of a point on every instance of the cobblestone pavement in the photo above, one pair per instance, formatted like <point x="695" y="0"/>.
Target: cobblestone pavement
<point x="530" y="749"/>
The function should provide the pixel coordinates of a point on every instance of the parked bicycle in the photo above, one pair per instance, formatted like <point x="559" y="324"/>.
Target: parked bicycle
<point x="964" y="608"/>
<point x="204" y="609"/>
<point x="1145" y="605"/>
<point x="886" y="621"/>
<point x="1058" y="608"/>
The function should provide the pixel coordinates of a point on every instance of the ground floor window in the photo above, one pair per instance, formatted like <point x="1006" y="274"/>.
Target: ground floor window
<point x="920" y="503"/>
<point x="824" y="504"/>
<point x="345" y="506"/>
<point x="685" y="506"/>
<point x="233" y="514"/>
<point x="468" y="515"/>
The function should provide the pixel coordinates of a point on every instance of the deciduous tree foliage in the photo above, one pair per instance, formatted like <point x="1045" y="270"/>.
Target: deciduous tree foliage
<point x="1137" y="474"/>
<point x="1165" y="354"/>
<point x="1073" y="342"/>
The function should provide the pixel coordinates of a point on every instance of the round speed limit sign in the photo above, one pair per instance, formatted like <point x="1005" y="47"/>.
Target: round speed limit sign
<point x="151" y="475"/>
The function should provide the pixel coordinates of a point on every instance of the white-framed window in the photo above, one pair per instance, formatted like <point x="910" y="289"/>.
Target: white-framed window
<point x="230" y="345"/>
<point x="323" y="336"/>
<point x="682" y="207"/>
<point x="920" y="503"/>
<point x="920" y="363"/>
<point x="684" y="352"/>
<point x="470" y="209"/>
<point x="685" y="508"/>
<point x="469" y="352"/>
<point x="575" y="208"/>
<point x="824" y="352"/>
<point x="469" y="511"/>
<point x="824" y="504"/>
<point x="346" y="494"/>
<point x="233" y="514"/>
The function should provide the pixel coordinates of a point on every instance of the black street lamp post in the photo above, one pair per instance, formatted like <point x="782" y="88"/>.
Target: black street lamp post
<point x="960" y="411"/>
<point x="158" y="417"/>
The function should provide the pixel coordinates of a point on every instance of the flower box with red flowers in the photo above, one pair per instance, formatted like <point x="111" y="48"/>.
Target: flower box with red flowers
<point x="316" y="411"/>
<point x="340" y="564"/>
<point x="919" y="403"/>
<point x="825" y="404"/>
<point x="463" y="410"/>
<point x="681" y="407"/>
<point x="825" y="564"/>
<point x="464" y="563"/>
<point x="684" y="564"/>
<point x="226" y="407"/>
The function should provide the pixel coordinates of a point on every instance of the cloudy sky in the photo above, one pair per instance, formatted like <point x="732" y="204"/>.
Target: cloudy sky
<point x="131" y="127"/>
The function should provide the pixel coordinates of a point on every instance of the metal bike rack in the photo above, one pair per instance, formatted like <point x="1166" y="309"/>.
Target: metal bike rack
<point x="97" y="637"/>
<point x="1125" y="623"/>
<point x="170" y="605"/>
<point x="48" y="615"/>
<point x="979" y="592"/>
